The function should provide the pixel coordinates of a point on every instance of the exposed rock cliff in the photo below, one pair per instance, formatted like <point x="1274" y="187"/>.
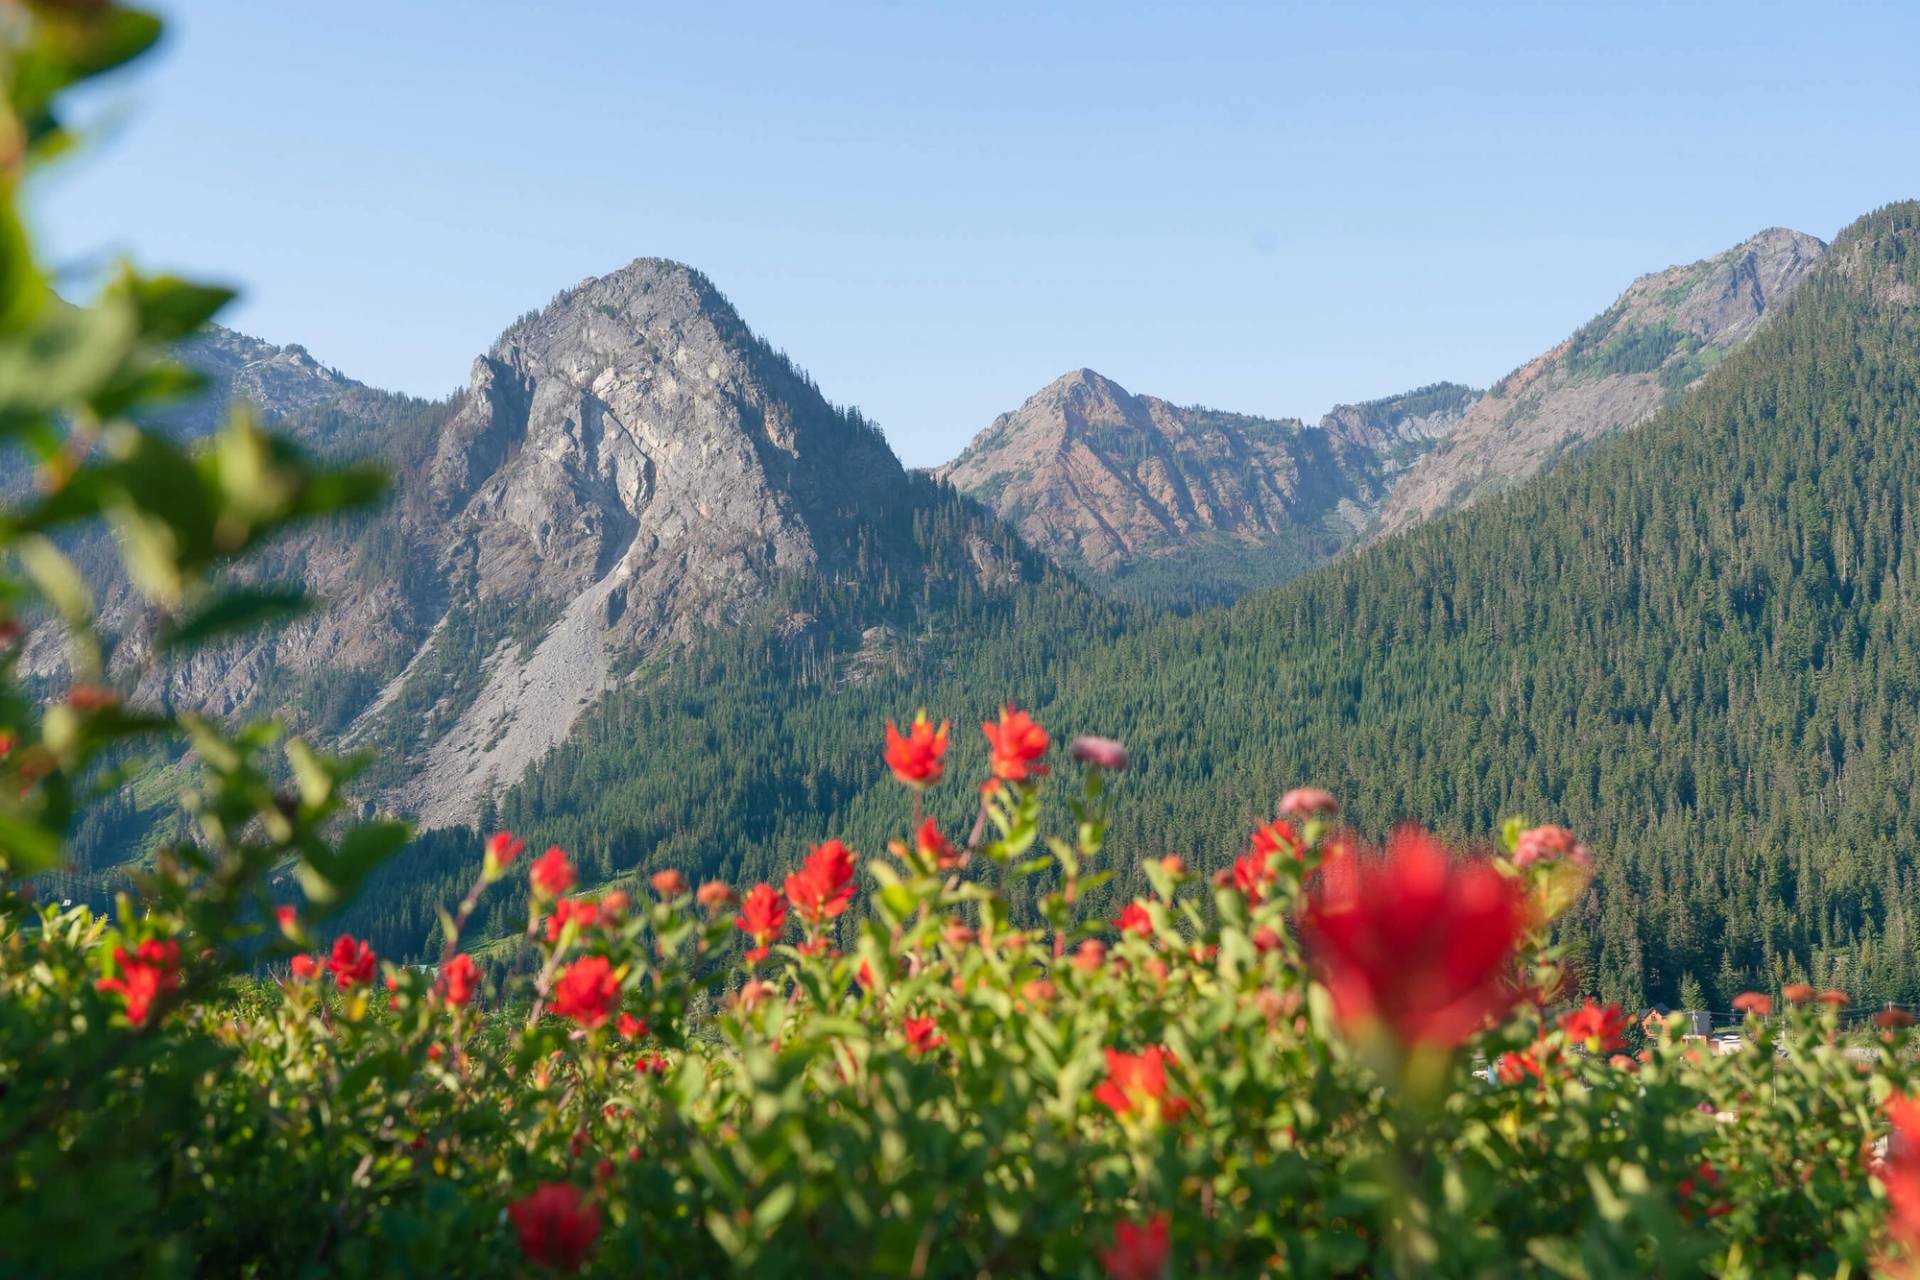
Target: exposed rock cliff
<point x="1640" y="354"/>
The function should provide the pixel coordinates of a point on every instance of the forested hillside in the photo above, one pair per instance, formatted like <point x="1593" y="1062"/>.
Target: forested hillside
<point x="1699" y="646"/>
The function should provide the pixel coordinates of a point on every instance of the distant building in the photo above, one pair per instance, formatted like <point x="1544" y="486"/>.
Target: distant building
<point x="1654" y="1020"/>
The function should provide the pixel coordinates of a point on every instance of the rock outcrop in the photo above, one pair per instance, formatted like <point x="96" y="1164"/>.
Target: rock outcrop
<point x="1640" y="354"/>
<point x="1109" y="482"/>
<point x="628" y="467"/>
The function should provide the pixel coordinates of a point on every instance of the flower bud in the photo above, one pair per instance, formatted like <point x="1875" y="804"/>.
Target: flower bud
<point x="1304" y="801"/>
<point x="1102" y="752"/>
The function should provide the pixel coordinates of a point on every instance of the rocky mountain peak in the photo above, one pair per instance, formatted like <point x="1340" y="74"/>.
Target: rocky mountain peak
<point x="1657" y="339"/>
<point x="1103" y="479"/>
<point x="280" y="381"/>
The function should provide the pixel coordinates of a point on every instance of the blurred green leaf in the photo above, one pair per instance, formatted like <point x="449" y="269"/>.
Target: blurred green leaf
<point x="240" y="609"/>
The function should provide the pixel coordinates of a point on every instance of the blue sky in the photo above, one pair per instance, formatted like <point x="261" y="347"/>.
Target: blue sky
<point x="937" y="208"/>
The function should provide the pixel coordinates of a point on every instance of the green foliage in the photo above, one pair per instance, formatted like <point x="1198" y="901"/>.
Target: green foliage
<point x="927" y="1084"/>
<point x="1696" y="644"/>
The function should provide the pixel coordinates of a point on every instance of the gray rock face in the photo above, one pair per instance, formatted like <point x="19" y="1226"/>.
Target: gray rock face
<point x="281" y="381"/>
<point x="636" y="459"/>
<point x="1101" y="479"/>
<point x="1095" y="476"/>
<point x="1659" y="338"/>
<point x="627" y="467"/>
<point x="1402" y="428"/>
<point x="1104" y="480"/>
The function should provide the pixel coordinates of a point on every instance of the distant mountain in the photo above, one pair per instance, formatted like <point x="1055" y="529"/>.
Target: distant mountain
<point x="1198" y="503"/>
<point x="628" y="468"/>
<point x="1697" y="643"/>
<point x="1635" y="358"/>
<point x="1193" y="506"/>
<point x="282" y="382"/>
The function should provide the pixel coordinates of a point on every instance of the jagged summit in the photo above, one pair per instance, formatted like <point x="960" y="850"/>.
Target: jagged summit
<point x="1658" y="338"/>
<point x="282" y="381"/>
<point x="1102" y="479"/>
<point x="627" y="467"/>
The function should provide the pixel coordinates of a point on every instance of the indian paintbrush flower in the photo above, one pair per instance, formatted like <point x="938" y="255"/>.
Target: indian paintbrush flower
<point x="1016" y="744"/>
<point x="148" y="971"/>
<point x="823" y="886"/>
<point x="352" y="962"/>
<point x="1139" y="1250"/>
<point x="1416" y="944"/>
<point x="916" y="757"/>
<point x="502" y="848"/>
<point x="1600" y="1030"/>
<point x="459" y="979"/>
<point x="762" y="916"/>
<point x="551" y="873"/>
<point x="556" y="1225"/>
<point x="586" y="991"/>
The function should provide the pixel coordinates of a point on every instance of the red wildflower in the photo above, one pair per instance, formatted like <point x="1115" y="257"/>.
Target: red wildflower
<point x="1266" y="938"/>
<point x="1891" y="1019"/>
<point x="1139" y="1250"/>
<point x="571" y="911"/>
<point x="1137" y="1082"/>
<point x="1753" y="1002"/>
<point x="752" y="992"/>
<point x="1016" y="743"/>
<point x="304" y="966"/>
<point x="1134" y="919"/>
<point x="1415" y="941"/>
<point x="763" y="915"/>
<point x="651" y="1064"/>
<point x="1709" y="1179"/>
<point x="288" y="917"/>
<point x="1303" y="802"/>
<point x="916" y="756"/>
<point x="150" y="969"/>
<point x="921" y="1035"/>
<point x="823" y="886"/>
<point x="1251" y="875"/>
<point x="716" y="896"/>
<point x="631" y="1027"/>
<point x="1602" y="1030"/>
<point x="460" y="978"/>
<point x="1835" y="998"/>
<point x="557" y="1226"/>
<point x="1900" y="1171"/>
<point x="551" y="873"/>
<point x="936" y="848"/>
<point x="1104" y="752"/>
<point x="586" y="991"/>
<point x="1276" y="837"/>
<point x="1091" y="955"/>
<point x="351" y="962"/>
<point x="1797" y="992"/>
<point x="502" y="848"/>
<point x="1517" y="1065"/>
<point x="669" y="883"/>
<point x="1547" y="841"/>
